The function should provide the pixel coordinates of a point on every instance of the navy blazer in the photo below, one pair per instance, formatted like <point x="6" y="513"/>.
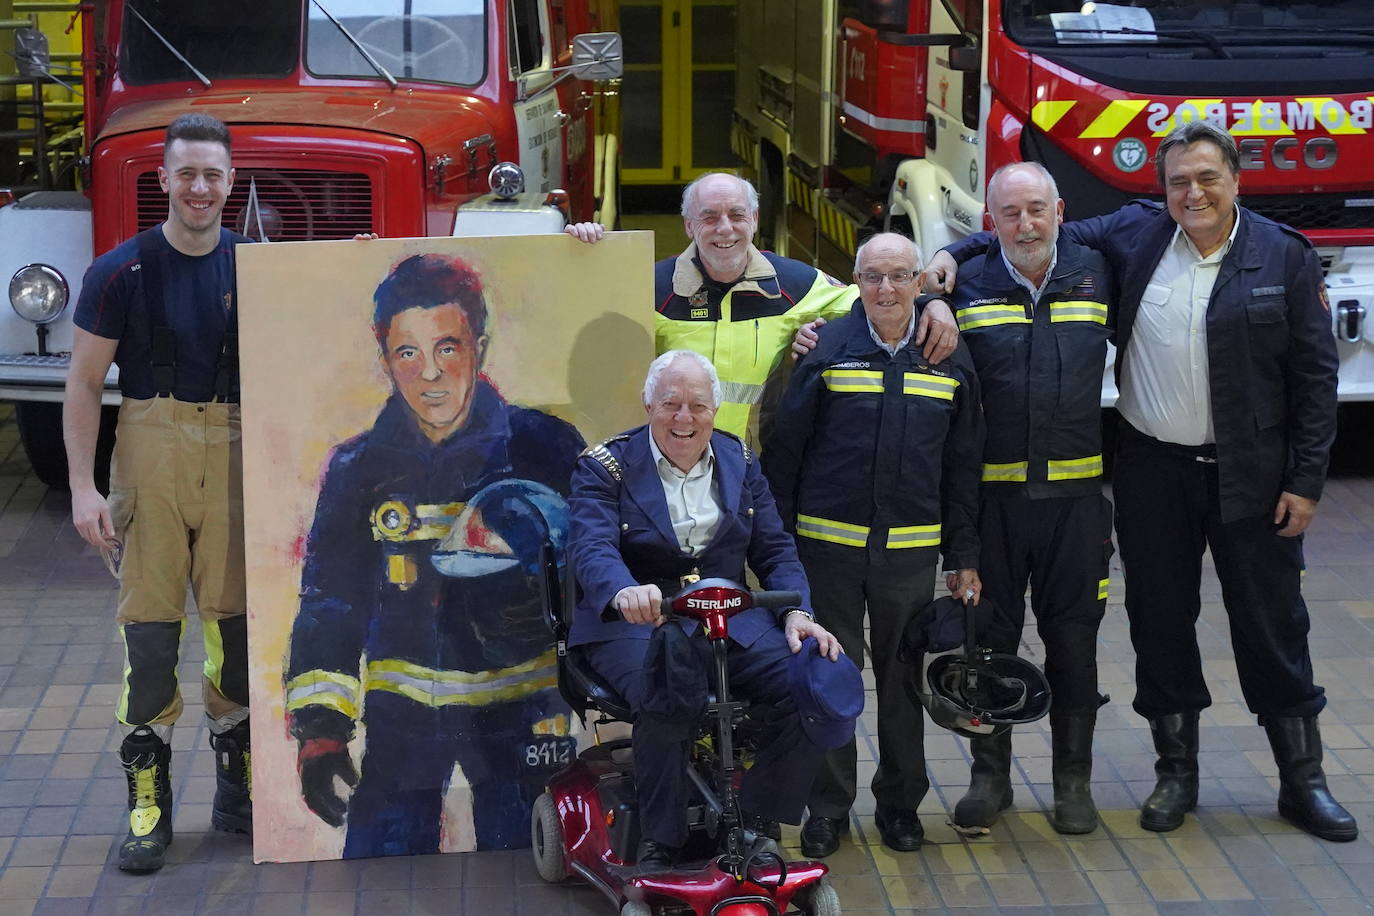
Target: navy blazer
<point x="621" y="535"/>
<point x="1271" y="354"/>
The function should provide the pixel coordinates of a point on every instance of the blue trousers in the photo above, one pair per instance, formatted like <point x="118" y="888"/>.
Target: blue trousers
<point x="774" y="787"/>
<point x="411" y="750"/>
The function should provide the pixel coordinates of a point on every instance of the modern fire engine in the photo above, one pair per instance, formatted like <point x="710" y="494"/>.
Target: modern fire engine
<point x="860" y="116"/>
<point x="347" y="116"/>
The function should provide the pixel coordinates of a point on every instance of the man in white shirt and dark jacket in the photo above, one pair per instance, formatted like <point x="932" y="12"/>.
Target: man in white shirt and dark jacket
<point x="1227" y="371"/>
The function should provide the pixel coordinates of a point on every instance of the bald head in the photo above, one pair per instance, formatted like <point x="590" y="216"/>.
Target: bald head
<point x="887" y="269"/>
<point x="1026" y="211"/>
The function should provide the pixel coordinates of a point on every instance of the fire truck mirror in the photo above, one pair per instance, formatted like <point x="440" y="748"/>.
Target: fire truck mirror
<point x="597" y="56"/>
<point x="966" y="59"/>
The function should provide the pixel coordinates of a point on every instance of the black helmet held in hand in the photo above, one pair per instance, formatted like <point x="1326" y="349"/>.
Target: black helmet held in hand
<point x="967" y="688"/>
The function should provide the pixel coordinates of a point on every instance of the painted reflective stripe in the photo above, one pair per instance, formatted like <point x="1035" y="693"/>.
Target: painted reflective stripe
<point x="913" y="536"/>
<point x="435" y="687"/>
<point x="323" y="688"/>
<point x="1047" y="113"/>
<point x="1011" y="472"/>
<point x="983" y="316"/>
<point x="1079" y="311"/>
<point x="930" y="386"/>
<point x="1113" y="119"/>
<point x="878" y="122"/>
<point x="821" y="529"/>
<point x="1075" y="468"/>
<point x="740" y="392"/>
<point x="1102" y="589"/>
<point x="853" y="380"/>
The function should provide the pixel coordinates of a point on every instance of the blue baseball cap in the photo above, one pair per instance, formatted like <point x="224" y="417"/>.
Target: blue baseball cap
<point x="829" y="695"/>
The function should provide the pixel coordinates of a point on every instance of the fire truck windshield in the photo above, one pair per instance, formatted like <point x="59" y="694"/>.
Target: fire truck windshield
<point x="1149" y="24"/>
<point x="217" y="40"/>
<point x="437" y="41"/>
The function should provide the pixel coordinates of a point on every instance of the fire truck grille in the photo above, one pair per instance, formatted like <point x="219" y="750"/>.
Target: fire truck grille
<point x="296" y="205"/>
<point x="1314" y="211"/>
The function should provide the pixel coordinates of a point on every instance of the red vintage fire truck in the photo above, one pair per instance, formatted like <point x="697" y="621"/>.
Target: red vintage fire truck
<point x="347" y="116"/>
<point x="858" y="116"/>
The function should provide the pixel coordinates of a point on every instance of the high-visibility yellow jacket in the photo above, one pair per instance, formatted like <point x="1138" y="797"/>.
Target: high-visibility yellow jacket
<point x="745" y="328"/>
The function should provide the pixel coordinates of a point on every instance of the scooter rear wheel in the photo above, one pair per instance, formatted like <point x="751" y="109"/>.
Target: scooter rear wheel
<point x="636" y="908"/>
<point x="546" y="840"/>
<point x="823" y="900"/>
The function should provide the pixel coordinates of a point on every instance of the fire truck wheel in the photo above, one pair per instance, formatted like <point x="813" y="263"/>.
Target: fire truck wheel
<point x="546" y="840"/>
<point x="40" y="431"/>
<point x="822" y="900"/>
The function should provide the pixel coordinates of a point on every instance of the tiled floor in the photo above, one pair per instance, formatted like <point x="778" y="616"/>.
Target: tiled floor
<point x="61" y="793"/>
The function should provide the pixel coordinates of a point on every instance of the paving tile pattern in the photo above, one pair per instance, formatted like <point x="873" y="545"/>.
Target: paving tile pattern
<point x="62" y="795"/>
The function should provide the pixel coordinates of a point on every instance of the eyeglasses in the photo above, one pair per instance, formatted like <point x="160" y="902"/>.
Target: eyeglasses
<point x="896" y="278"/>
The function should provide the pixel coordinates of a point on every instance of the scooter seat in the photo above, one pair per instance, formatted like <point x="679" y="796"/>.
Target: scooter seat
<point x="592" y="688"/>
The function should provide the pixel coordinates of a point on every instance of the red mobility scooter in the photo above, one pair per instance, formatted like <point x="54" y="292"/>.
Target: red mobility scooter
<point x="587" y="823"/>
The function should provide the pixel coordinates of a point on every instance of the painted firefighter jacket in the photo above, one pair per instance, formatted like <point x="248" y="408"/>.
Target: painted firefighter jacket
<point x="746" y="328"/>
<point x="1040" y="370"/>
<point x="877" y="453"/>
<point x="376" y="613"/>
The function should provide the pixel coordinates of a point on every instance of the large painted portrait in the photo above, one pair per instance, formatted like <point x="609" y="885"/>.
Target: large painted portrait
<point x="412" y="413"/>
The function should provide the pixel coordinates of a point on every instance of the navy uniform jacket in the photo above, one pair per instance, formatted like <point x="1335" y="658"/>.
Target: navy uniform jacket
<point x="878" y="453"/>
<point x="369" y="592"/>
<point x="1272" y="358"/>
<point x="621" y="535"/>
<point x="1040" y="370"/>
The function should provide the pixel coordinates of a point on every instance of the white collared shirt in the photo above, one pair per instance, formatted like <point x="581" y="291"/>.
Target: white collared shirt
<point x="693" y="501"/>
<point x="1165" y="388"/>
<point x="893" y="348"/>
<point x="1035" y="291"/>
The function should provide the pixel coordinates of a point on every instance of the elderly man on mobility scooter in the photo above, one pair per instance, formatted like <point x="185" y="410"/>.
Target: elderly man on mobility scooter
<point x="663" y="501"/>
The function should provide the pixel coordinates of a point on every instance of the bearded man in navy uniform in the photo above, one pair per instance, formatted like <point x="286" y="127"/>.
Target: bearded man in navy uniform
<point x="423" y="561"/>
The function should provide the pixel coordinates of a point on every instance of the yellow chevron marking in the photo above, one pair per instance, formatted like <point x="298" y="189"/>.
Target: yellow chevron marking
<point x="1046" y="114"/>
<point x="1114" y="119"/>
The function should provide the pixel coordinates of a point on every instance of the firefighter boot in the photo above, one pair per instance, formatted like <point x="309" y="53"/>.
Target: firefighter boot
<point x="1175" y="791"/>
<point x="147" y="762"/>
<point x="989" y="791"/>
<point x="233" y="809"/>
<point x="1072" y="741"/>
<point x="1303" y="796"/>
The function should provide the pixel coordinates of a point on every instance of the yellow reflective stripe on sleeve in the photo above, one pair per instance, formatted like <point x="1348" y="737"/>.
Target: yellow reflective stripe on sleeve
<point x="821" y="529"/>
<point x="930" y="386"/>
<point x="1012" y="472"/>
<point x="333" y="689"/>
<point x="983" y="316"/>
<point x="436" y="687"/>
<point x="740" y="392"/>
<point x="853" y="380"/>
<point x="913" y="536"/>
<point x="1102" y="589"/>
<point x="1095" y="312"/>
<point x="1075" y="468"/>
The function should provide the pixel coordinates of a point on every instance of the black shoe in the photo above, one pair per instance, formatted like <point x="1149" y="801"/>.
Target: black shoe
<point x="900" y="829"/>
<point x="1304" y="798"/>
<point x="654" y="856"/>
<point x="147" y="763"/>
<point x="763" y="826"/>
<point x="233" y="808"/>
<point x="1175" y="792"/>
<point x="820" y="836"/>
<point x="989" y="790"/>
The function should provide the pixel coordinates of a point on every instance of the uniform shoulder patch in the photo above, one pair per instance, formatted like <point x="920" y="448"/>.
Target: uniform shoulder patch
<point x="744" y="446"/>
<point x="601" y="454"/>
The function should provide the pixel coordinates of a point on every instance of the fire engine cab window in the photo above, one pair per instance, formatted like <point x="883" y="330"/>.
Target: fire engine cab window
<point x="1146" y="24"/>
<point x="527" y="39"/>
<point x="434" y="41"/>
<point x="221" y="40"/>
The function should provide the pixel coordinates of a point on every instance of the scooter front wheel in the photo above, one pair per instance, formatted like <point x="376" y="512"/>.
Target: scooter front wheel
<point x="821" y="900"/>
<point x="546" y="840"/>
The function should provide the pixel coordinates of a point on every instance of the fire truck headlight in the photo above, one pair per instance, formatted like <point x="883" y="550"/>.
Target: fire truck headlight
<point x="507" y="180"/>
<point x="38" y="293"/>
